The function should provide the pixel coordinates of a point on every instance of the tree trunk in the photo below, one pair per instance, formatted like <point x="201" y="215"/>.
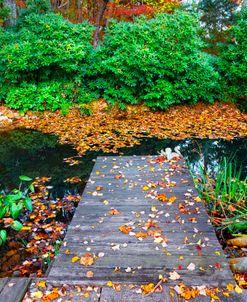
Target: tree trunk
<point x="11" y="4"/>
<point x="101" y="12"/>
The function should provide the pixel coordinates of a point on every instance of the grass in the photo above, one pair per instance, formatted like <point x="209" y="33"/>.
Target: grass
<point x="225" y="195"/>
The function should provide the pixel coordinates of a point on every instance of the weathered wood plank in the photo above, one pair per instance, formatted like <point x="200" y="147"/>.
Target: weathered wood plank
<point x="14" y="290"/>
<point x="117" y="182"/>
<point x="110" y="295"/>
<point x="213" y="277"/>
<point x="3" y="282"/>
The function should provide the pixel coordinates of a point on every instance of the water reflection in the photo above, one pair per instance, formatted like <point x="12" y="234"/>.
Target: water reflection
<point x="32" y="153"/>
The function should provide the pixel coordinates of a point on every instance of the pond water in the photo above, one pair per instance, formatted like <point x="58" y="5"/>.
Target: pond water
<point x="35" y="154"/>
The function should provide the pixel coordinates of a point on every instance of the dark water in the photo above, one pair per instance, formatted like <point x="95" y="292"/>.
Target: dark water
<point x="32" y="153"/>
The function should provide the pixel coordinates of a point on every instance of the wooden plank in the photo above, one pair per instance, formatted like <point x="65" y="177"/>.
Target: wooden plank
<point x="14" y="290"/>
<point x="130" y="295"/>
<point x="94" y="229"/>
<point x="71" y="291"/>
<point x="211" y="278"/>
<point x="3" y="282"/>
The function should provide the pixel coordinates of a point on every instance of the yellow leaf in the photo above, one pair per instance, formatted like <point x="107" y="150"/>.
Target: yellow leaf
<point x="172" y="199"/>
<point x="238" y="289"/>
<point x="38" y="294"/>
<point x="26" y="228"/>
<point x="226" y="294"/>
<point x="147" y="288"/>
<point x="41" y="284"/>
<point x="145" y="188"/>
<point x="74" y="259"/>
<point x="109" y="283"/>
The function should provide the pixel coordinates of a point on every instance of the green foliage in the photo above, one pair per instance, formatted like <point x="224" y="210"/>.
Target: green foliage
<point x="4" y="11"/>
<point x="11" y="206"/>
<point x="43" y="49"/>
<point x="47" y="95"/>
<point x="157" y="61"/>
<point x="233" y="63"/>
<point x="36" y="6"/>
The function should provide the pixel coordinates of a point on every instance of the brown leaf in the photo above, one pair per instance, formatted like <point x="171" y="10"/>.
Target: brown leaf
<point x="87" y="259"/>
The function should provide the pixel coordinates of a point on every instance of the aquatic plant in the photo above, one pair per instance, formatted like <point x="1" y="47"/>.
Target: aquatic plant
<point x="11" y="205"/>
<point x="225" y="196"/>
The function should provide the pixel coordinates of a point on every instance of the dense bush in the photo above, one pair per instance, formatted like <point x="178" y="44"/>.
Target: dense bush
<point x="157" y="61"/>
<point x="47" y="62"/>
<point x="44" y="47"/>
<point x="40" y="58"/>
<point x="233" y="62"/>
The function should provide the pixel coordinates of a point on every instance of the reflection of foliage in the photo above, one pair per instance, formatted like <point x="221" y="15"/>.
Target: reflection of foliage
<point x="29" y="141"/>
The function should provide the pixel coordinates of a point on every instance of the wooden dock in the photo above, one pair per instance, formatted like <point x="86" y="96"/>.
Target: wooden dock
<point x="139" y="218"/>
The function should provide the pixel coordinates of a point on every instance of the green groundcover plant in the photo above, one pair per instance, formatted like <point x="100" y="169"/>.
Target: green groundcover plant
<point x="11" y="205"/>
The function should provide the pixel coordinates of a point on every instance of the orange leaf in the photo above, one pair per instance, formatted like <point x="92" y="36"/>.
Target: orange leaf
<point x="162" y="197"/>
<point x="172" y="199"/>
<point x="114" y="212"/>
<point x="87" y="259"/>
<point x="125" y="229"/>
<point x="141" y="235"/>
<point x="147" y="288"/>
<point x="89" y="274"/>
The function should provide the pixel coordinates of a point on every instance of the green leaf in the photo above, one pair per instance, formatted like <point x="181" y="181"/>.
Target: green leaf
<point x="31" y="188"/>
<point x="13" y="197"/>
<point x="16" y="225"/>
<point x="3" y="235"/>
<point x="25" y="178"/>
<point x="15" y="210"/>
<point x="2" y="211"/>
<point x="28" y="204"/>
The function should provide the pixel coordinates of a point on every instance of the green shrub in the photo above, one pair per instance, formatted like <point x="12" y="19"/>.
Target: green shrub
<point x="158" y="61"/>
<point x="44" y="47"/>
<point x="47" y="95"/>
<point x="233" y="63"/>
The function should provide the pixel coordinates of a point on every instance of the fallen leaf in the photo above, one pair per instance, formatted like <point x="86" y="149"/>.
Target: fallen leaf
<point x="89" y="274"/>
<point x="174" y="275"/>
<point x="87" y="259"/>
<point x="74" y="259"/>
<point x="125" y="229"/>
